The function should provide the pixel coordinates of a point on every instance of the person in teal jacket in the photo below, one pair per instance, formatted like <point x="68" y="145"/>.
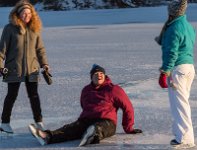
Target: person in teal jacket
<point x="179" y="32"/>
<point x="177" y="72"/>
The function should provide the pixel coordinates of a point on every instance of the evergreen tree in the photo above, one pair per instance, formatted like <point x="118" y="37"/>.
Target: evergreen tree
<point x="13" y="2"/>
<point x="8" y="2"/>
<point x="53" y="4"/>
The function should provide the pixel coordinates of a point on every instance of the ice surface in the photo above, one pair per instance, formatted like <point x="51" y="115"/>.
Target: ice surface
<point x="122" y="41"/>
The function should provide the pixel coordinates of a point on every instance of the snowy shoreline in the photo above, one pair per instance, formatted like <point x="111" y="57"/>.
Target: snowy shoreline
<point x="103" y="16"/>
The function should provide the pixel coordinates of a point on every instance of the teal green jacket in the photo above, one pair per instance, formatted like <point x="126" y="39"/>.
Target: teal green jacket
<point x="177" y="44"/>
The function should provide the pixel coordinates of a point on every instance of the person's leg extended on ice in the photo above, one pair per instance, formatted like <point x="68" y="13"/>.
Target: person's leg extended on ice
<point x="100" y="101"/>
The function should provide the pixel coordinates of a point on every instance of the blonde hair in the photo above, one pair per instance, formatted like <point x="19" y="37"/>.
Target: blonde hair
<point x="35" y="24"/>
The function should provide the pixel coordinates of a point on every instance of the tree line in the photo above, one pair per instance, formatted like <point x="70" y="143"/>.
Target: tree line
<point x="86" y="4"/>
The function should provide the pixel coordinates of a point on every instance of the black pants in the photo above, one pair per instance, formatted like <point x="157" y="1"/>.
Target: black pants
<point x="32" y="90"/>
<point x="104" y="128"/>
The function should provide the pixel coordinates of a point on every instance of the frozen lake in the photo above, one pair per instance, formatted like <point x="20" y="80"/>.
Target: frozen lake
<point x="122" y="41"/>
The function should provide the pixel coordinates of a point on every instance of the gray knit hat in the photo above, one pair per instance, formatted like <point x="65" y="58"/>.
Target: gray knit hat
<point x="177" y="8"/>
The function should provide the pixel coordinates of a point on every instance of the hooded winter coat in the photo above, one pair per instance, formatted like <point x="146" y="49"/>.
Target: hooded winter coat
<point x="104" y="103"/>
<point x="22" y="50"/>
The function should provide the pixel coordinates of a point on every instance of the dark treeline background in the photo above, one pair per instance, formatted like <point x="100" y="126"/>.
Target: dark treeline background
<point x="86" y="4"/>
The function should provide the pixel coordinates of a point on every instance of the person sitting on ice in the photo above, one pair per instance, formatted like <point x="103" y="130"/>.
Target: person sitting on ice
<point x="100" y="101"/>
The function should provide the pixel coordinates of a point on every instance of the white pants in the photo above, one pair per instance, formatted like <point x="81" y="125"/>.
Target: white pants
<point x="179" y="92"/>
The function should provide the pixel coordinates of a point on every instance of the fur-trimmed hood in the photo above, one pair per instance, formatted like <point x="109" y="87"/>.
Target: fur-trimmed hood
<point x="35" y="24"/>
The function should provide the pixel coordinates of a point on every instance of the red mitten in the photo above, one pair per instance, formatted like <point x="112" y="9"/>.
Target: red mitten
<point x="163" y="80"/>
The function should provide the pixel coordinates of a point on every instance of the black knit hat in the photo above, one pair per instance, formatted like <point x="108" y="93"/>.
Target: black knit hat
<point x="96" y="68"/>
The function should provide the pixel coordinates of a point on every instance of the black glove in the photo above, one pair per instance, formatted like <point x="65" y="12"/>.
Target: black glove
<point x="47" y="76"/>
<point x="3" y="72"/>
<point x="136" y="131"/>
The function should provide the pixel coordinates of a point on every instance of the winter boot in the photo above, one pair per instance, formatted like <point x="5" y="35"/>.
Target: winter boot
<point x="178" y="145"/>
<point x="5" y="127"/>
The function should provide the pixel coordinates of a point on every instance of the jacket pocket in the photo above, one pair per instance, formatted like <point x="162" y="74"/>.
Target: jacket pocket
<point x="34" y="67"/>
<point x="11" y="66"/>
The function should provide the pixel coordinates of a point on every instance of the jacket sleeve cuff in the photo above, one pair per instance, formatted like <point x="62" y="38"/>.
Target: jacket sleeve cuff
<point x="164" y="72"/>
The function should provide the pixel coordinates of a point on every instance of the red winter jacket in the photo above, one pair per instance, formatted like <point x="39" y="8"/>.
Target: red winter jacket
<point x="105" y="101"/>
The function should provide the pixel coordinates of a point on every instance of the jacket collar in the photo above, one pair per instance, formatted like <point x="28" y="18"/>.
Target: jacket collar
<point x="177" y="19"/>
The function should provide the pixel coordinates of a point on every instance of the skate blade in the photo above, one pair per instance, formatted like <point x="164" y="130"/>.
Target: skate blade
<point x="88" y="137"/>
<point x="3" y="131"/>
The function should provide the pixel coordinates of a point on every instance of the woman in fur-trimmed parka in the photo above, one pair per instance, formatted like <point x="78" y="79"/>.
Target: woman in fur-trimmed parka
<point x="22" y="53"/>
